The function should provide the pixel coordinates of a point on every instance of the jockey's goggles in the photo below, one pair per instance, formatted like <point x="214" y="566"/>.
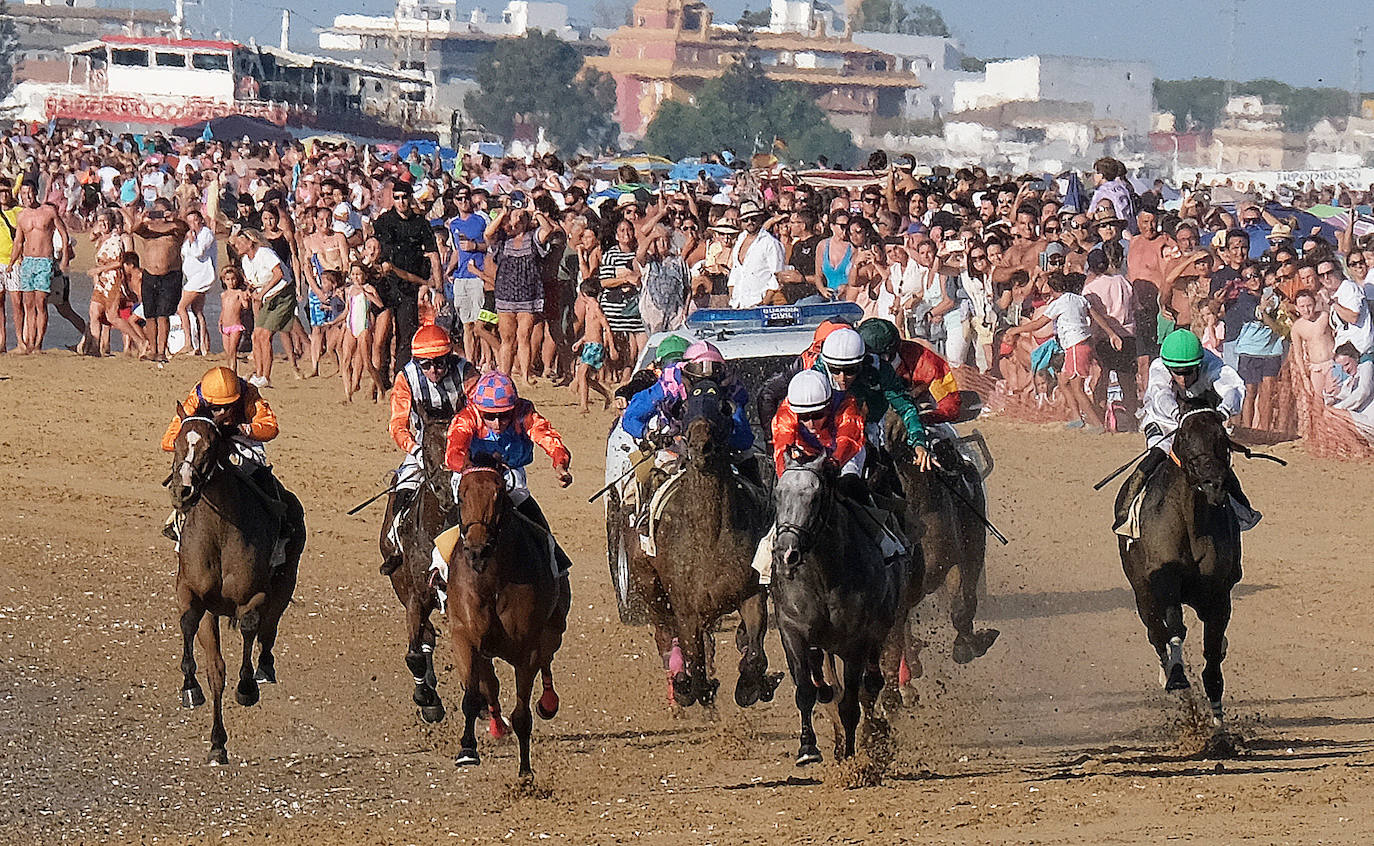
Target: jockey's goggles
<point x="846" y="369"/>
<point x="1190" y="370"/>
<point x="495" y="415"/>
<point x="812" y="416"/>
<point x="431" y="363"/>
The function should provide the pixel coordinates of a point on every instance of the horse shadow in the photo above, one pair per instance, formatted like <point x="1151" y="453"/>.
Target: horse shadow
<point x="1032" y="606"/>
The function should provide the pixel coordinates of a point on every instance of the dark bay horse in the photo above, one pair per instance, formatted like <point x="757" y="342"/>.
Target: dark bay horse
<point x="225" y="566"/>
<point x="702" y="568"/>
<point x="504" y="601"/>
<point x="953" y="541"/>
<point x="835" y="597"/>
<point x="1188" y="551"/>
<point x="431" y="511"/>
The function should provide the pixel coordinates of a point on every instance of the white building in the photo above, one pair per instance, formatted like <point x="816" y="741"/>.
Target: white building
<point x="440" y="19"/>
<point x="804" y="17"/>
<point x="1121" y="92"/>
<point x="936" y="61"/>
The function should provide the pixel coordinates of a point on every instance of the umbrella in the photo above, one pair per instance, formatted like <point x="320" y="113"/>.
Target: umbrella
<point x="234" y="127"/>
<point x="687" y="170"/>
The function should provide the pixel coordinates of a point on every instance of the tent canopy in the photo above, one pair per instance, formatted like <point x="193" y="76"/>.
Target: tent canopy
<point x="234" y="128"/>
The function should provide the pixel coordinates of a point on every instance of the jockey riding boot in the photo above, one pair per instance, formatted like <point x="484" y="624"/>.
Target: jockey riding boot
<point x="397" y="505"/>
<point x="171" y="529"/>
<point x="272" y="488"/>
<point x="1247" y="516"/>
<point x="530" y="509"/>
<point x="1135" y="489"/>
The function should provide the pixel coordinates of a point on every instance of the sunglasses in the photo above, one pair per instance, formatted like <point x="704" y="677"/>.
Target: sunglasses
<point x="847" y="370"/>
<point x="1054" y="260"/>
<point x="1053" y="231"/>
<point x="429" y="363"/>
<point x="1183" y="371"/>
<point x="811" y="416"/>
<point x="839" y="223"/>
<point x="495" y="415"/>
<point x="977" y="256"/>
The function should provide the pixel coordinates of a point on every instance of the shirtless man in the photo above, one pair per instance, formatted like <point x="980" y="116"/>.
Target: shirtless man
<point x="160" y="256"/>
<point x="1313" y="344"/>
<point x="33" y="252"/>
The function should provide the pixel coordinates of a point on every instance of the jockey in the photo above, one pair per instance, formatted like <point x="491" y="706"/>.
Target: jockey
<point x="1184" y="371"/>
<point x="658" y="409"/>
<point x="669" y="351"/>
<point x="498" y="423"/>
<point x="775" y="389"/>
<point x="929" y="376"/>
<point x="239" y="410"/>
<point x="434" y="383"/>
<point x="236" y="407"/>
<point x="814" y="420"/>
<point x="875" y="386"/>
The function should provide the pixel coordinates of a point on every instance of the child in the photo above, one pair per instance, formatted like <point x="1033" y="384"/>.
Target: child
<point x="356" y="351"/>
<point x="232" y="302"/>
<point x="324" y="305"/>
<point x="593" y="347"/>
<point x="1213" y="331"/>
<point x="133" y="280"/>
<point x="1072" y="315"/>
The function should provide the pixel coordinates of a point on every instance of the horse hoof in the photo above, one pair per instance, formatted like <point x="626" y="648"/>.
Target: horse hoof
<point x="708" y="694"/>
<point x="682" y="690"/>
<point x="192" y="698"/>
<point x="808" y="754"/>
<point x="770" y="686"/>
<point x="432" y="713"/>
<point x="1176" y="679"/>
<point x="266" y="674"/>
<point x="746" y="693"/>
<point x="825" y="694"/>
<point x="467" y="758"/>
<point x="547" y="706"/>
<point x="497" y="728"/>
<point x="889" y="701"/>
<point x="217" y="758"/>
<point x="971" y="646"/>
<point x="246" y="694"/>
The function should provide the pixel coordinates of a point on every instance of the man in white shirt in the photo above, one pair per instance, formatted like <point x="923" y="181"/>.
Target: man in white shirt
<point x="755" y="261"/>
<point x="1350" y="318"/>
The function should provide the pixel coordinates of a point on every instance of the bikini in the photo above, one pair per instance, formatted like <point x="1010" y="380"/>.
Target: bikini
<point x="836" y="276"/>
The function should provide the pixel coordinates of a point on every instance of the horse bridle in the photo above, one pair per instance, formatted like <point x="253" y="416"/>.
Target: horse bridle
<point x="465" y="526"/>
<point x="819" y="516"/>
<point x="197" y="478"/>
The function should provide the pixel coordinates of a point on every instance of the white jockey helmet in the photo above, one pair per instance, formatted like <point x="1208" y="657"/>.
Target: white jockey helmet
<point x="843" y="348"/>
<point x="808" y="392"/>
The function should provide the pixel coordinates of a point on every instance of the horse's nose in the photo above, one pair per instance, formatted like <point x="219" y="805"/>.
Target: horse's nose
<point x="790" y="559"/>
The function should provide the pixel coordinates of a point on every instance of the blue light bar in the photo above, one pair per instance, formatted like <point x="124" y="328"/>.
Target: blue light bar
<point x="765" y="317"/>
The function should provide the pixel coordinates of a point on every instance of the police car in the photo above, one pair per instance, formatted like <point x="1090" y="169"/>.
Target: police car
<point x="757" y="343"/>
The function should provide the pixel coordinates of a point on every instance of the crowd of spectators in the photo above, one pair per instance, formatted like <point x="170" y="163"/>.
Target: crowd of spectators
<point x="1053" y="294"/>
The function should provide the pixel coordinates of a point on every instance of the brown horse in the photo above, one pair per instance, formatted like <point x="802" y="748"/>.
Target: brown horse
<point x="225" y="565"/>
<point x="953" y="542"/>
<point x="504" y="601"/>
<point x="431" y="511"/>
<point x="702" y="567"/>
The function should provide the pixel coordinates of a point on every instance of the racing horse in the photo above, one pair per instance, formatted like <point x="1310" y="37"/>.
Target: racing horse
<point x="708" y="525"/>
<point x="432" y="511"/>
<point x="953" y="543"/>
<point x="504" y="601"/>
<point x="835" y="595"/>
<point x="225" y="566"/>
<point x="1188" y="551"/>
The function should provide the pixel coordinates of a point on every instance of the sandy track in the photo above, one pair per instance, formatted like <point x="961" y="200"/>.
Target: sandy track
<point x="1059" y="734"/>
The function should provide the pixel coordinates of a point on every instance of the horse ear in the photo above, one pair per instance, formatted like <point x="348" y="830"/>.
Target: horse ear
<point x="178" y="411"/>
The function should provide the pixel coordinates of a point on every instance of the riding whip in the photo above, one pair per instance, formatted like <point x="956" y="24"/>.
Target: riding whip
<point x="1122" y="469"/>
<point x="959" y="495"/>
<point x="1249" y="453"/>
<point x="429" y="477"/>
<point x="633" y="467"/>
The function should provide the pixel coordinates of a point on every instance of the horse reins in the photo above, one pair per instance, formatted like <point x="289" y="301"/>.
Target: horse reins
<point x="463" y="527"/>
<point x="820" y="516"/>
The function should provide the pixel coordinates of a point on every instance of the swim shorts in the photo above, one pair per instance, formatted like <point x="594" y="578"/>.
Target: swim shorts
<point x="35" y="274"/>
<point x="593" y="355"/>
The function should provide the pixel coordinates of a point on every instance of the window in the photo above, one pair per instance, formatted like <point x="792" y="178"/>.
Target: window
<point x="1128" y="76"/>
<point x="129" y="58"/>
<point x="170" y="60"/>
<point x="377" y="87"/>
<point x="210" y="61"/>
